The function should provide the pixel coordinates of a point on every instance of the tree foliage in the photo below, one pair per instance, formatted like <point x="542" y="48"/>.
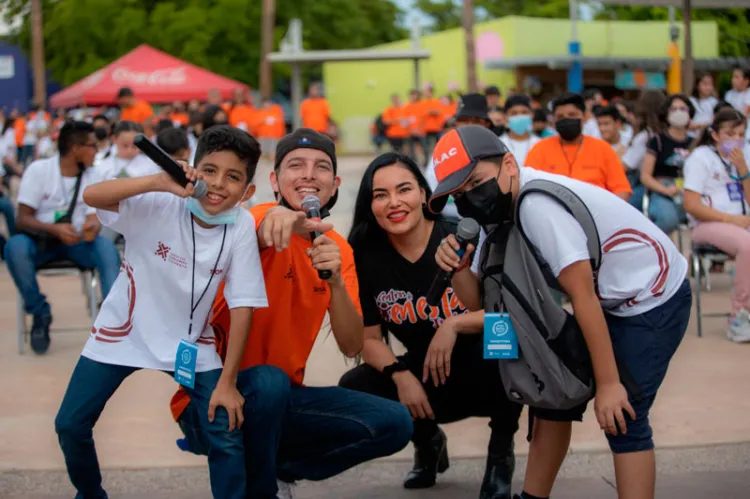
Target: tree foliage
<point x="445" y="14"/>
<point x="223" y="36"/>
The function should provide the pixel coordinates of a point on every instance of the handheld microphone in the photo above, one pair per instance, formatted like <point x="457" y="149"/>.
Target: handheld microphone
<point x="468" y="230"/>
<point x="311" y="205"/>
<point x="169" y="165"/>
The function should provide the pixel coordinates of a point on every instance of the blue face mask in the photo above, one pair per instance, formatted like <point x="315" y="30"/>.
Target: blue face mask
<point x="521" y="124"/>
<point x="226" y="217"/>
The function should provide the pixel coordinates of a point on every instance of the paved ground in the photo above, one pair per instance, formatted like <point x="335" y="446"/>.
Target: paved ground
<point x="704" y="402"/>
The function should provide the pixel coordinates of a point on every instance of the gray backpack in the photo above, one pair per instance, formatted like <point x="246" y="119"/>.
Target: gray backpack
<point x="553" y="369"/>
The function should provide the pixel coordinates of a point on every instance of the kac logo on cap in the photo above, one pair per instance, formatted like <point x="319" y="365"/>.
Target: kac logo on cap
<point x="304" y="141"/>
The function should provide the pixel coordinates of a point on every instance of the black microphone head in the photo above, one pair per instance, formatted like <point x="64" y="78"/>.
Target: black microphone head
<point x="311" y="202"/>
<point x="468" y="229"/>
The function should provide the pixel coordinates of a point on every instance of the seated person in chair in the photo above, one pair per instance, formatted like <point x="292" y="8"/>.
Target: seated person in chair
<point x="54" y="223"/>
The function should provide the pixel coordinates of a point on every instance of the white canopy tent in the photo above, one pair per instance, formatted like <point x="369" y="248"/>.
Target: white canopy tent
<point x="686" y="6"/>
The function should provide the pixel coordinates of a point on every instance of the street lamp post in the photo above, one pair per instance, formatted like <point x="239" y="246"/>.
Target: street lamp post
<point x="575" y="72"/>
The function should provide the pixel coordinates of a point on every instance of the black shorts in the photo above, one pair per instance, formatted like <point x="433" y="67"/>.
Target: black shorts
<point x="574" y="414"/>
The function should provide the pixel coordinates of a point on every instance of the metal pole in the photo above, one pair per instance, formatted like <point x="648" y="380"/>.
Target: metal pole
<point x="415" y="36"/>
<point x="37" y="49"/>
<point x="575" y="72"/>
<point x="267" y="24"/>
<point x="471" y="65"/>
<point x="295" y="32"/>
<point x="688" y="74"/>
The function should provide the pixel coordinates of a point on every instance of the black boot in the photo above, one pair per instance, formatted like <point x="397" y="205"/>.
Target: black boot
<point x="429" y="460"/>
<point x="39" y="337"/>
<point x="498" y="475"/>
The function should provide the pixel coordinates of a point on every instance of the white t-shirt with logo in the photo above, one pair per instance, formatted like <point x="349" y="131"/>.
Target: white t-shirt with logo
<point x="640" y="267"/>
<point x="520" y="148"/>
<point x="708" y="175"/>
<point x="139" y="166"/>
<point x="44" y="189"/>
<point x="147" y="312"/>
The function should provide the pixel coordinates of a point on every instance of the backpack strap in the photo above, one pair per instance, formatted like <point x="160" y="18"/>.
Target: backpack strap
<point x="573" y="205"/>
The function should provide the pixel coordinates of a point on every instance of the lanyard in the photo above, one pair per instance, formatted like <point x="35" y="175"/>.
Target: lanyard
<point x="575" y="157"/>
<point x="213" y="272"/>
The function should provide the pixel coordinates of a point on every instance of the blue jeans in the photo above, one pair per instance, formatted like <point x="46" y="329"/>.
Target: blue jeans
<point x="6" y="208"/>
<point x="643" y="346"/>
<point x="306" y="433"/>
<point x="636" y="199"/>
<point x="91" y="386"/>
<point x="22" y="258"/>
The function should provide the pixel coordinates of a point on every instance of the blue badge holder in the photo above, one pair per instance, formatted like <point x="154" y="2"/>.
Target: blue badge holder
<point x="184" y="364"/>
<point x="500" y="340"/>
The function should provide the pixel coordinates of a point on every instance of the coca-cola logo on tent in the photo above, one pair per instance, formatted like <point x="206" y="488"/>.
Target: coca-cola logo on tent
<point x="169" y="76"/>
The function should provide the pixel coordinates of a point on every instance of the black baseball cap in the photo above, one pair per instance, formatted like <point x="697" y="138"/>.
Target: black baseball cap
<point x="456" y="155"/>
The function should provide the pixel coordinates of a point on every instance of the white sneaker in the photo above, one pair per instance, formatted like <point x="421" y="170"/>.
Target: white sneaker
<point x="285" y="490"/>
<point x="739" y="328"/>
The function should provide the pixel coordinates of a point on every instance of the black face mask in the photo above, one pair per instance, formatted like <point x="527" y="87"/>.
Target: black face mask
<point x="101" y="133"/>
<point x="486" y="204"/>
<point x="569" y="128"/>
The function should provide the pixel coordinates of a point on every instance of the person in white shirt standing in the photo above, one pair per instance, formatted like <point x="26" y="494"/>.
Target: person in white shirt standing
<point x="633" y="315"/>
<point x="717" y="184"/>
<point x="518" y="137"/>
<point x="739" y="95"/>
<point x="704" y="99"/>
<point x="179" y="250"/>
<point x="127" y="161"/>
<point x="54" y="223"/>
<point x="592" y="98"/>
<point x="103" y="131"/>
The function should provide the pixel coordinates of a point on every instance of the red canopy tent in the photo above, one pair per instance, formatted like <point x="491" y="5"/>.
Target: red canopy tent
<point x="153" y="75"/>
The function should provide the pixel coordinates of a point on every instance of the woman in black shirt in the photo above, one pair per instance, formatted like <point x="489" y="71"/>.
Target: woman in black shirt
<point x="661" y="173"/>
<point x="395" y="238"/>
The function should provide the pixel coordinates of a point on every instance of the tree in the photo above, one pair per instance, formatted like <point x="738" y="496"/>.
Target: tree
<point x="223" y="36"/>
<point x="446" y="14"/>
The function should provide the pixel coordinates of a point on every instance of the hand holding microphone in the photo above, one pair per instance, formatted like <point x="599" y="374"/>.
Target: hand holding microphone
<point x="325" y="254"/>
<point x="186" y="177"/>
<point x="452" y="254"/>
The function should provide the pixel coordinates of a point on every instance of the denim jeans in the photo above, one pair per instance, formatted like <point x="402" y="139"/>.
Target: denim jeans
<point x="643" y="346"/>
<point x="305" y="433"/>
<point x="22" y="258"/>
<point x="636" y="199"/>
<point x="6" y="208"/>
<point x="91" y="386"/>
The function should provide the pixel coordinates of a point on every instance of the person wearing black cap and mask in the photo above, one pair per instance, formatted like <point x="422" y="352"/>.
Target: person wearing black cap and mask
<point x="495" y="110"/>
<point x="636" y="311"/>
<point x="472" y="110"/>
<point x="294" y="432"/>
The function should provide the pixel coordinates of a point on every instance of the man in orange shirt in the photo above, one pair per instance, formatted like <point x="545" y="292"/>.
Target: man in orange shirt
<point x="243" y="114"/>
<point x="314" y="110"/>
<point x="578" y="156"/>
<point x="415" y="113"/>
<point x="433" y="122"/>
<point x="270" y="127"/>
<point x="293" y="432"/>
<point x="396" y="123"/>
<point x="137" y="111"/>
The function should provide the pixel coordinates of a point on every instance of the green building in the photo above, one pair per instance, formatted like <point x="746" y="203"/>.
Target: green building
<point x="529" y="54"/>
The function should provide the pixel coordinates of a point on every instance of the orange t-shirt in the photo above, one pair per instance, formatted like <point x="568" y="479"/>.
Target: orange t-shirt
<point x="181" y="118"/>
<point x="20" y="127"/>
<point x="397" y="125"/>
<point x="315" y="114"/>
<point x="593" y="161"/>
<point x="415" y="112"/>
<point x="137" y="113"/>
<point x="449" y="110"/>
<point x="244" y="114"/>
<point x="271" y="123"/>
<point x="283" y="334"/>
<point x="433" y="122"/>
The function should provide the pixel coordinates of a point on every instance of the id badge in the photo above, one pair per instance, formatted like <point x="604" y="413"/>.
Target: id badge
<point x="59" y="214"/>
<point x="500" y="340"/>
<point x="184" y="364"/>
<point x="734" y="190"/>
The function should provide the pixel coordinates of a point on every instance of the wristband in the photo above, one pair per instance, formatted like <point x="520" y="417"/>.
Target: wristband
<point x="745" y="176"/>
<point x="396" y="367"/>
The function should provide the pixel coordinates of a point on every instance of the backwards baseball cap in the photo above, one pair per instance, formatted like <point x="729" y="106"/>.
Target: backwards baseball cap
<point x="456" y="155"/>
<point x="305" y="138"/>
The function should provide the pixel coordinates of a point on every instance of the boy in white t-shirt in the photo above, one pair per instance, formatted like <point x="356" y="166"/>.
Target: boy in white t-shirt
<point x="178" y="251"/>
<point x="48" y="230"/>
<point x="739" y="95"/>
<point x="636" y="311"/>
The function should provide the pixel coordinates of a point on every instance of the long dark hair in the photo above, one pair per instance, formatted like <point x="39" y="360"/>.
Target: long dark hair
<point x="726" y="116"/>
<point x="9" y="123"/>
<point x="698" y="79"/>
<point x="647" y="111"/>
<point x="365" y="229"/>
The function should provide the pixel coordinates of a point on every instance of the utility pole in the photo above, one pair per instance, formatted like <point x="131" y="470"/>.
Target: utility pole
<point x="267" y="24"/>
<point x="37" y="53"/>
<point x="688" y="77"/>
<point x="471" y="65"/>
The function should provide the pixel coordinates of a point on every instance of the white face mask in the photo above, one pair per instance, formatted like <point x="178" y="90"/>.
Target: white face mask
<point x="678" y="119"/>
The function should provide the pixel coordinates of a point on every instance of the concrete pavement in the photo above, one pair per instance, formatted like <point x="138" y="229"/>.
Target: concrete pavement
<point x="703" y="405"/>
